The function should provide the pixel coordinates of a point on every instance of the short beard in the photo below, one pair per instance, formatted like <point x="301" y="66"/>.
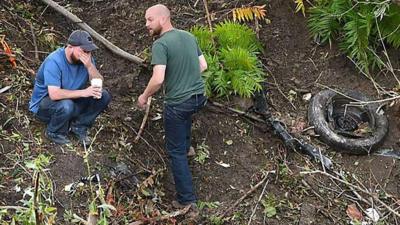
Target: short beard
<point x="156" y="32"/>
<point x="75" y="60"/>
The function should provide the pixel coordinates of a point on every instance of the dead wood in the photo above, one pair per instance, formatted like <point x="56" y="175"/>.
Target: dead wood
<point x="162" y="218"/>
<point x="146" y="115"/>
<point x="116" y="50"/>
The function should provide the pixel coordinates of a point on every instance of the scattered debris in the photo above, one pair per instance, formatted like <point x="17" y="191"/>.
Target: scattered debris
<point x="225" y="165"/>
<point x="372" y="214"/>
<point x="354" y="213"/>
<point x="4" y="89"/>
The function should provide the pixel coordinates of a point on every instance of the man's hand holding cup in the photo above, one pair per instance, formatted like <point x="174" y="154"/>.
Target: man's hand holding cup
<point x="97" y="85"/>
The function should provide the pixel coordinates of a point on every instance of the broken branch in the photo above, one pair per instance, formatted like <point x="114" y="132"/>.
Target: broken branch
<point x="116" y="50"/>
<point x="146" y="115"/>
<point x="161" y="218"/>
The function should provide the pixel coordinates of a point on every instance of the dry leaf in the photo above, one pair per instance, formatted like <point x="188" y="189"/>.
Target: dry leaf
<point x="354" y="213"/>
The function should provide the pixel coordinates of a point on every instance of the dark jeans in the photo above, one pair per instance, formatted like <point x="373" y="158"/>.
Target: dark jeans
<point x="80" y="112"/>
<point x="178" y="125"/>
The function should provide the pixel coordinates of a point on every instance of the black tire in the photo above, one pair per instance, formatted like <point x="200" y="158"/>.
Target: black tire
<point x="318" y="117"/>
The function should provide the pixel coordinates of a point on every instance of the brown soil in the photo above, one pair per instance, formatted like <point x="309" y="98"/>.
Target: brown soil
<point x="291" y="57"/>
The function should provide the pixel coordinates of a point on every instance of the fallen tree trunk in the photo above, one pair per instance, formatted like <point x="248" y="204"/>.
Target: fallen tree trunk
<point x="116" y="50"/>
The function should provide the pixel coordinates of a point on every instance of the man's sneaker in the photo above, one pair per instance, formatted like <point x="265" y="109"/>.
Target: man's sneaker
<point x="193" y="212"/>
<point x="58" y="138"/>
<point x="81" y="134"/>
<point x="191" y="152"/>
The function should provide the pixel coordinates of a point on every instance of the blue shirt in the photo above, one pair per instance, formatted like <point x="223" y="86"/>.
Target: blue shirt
<point x="57" y="71"/>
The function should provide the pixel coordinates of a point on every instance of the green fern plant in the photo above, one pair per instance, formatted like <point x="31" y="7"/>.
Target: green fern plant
<point x="230" y="34"/>
<point x="233" y="66"/>
<point x="356" y="43"/>
<point x="245" y="83"/>
<point x="204" y="38"/>
<point x="238" y="58"/>
<point x="323" y="25"/>
<point x="356" y="25"/>
<point x="390" y="26"/>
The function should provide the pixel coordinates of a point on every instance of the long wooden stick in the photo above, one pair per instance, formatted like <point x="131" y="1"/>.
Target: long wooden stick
<point x="208" y="14"/>
<point x="143" y="121"/>
<point x="116" y="50"/>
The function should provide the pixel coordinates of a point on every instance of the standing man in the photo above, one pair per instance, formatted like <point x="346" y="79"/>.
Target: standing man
<point x="61" y="97"/>
<point x="177" y="60"/>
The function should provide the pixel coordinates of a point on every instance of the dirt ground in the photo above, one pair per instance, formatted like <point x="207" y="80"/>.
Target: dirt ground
<point x="294" y="62"/>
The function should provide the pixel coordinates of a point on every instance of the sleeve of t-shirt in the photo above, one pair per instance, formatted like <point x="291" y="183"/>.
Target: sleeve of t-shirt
<point x="199" y="52"/>
<point x="159" y="54"/>
<point x="52" y="74"/>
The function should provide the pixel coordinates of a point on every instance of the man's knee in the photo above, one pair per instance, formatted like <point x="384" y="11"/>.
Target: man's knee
<point x="105" y="98"/>
<point x="65" y="107"/>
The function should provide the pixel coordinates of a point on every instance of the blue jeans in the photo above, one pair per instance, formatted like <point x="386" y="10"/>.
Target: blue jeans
<point x="178" y="125"/>
<point x="81" y="112"/>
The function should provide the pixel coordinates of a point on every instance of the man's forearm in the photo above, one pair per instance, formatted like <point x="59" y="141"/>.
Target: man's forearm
<point x="152" y="87"/>
<point x="93" y="72"/>
<point x="65" y="94"/>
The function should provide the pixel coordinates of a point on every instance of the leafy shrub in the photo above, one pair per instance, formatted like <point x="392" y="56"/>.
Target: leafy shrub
<point x="231" y="55"/>
<point x="203" y="36"/>
<point x="230" y="34"/>
<point x="359" y="26"/>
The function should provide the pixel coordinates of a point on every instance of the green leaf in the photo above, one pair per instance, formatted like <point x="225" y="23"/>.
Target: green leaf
<point x="270" y="211"/>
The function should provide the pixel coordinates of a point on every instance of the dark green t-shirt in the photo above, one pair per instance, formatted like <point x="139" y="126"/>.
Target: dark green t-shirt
<point x="179" y="51"/>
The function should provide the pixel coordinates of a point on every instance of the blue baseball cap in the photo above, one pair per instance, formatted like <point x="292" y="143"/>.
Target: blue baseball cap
<point x="82" y="39"/>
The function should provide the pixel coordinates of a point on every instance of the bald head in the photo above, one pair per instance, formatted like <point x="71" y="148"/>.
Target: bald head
<point x="158" y="19"/>
<point x="160" y="10"/>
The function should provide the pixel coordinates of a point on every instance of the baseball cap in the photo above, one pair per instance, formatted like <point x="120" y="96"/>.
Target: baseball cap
<point x="82" y="39"/>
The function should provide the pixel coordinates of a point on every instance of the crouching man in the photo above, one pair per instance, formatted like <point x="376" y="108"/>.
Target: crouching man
<point x="61" y="97"/>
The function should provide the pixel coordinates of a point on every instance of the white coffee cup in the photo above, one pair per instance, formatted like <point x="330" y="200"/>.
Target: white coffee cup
<point x="96" y="82"/>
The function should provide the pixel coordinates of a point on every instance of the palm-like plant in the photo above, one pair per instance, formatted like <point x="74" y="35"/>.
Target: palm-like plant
<point x="359" y="26"/>
<point x="230" y="34"/>
<point x="230" y="52"/>
<point x="204" y="38"/>
<point x="390" y="26"/>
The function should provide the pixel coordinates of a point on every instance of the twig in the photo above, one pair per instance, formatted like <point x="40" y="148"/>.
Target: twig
<point x="313" y="191"/>
<point x="259" y="199"/>
<point x="242" y="113"/>
<point x="161" y="218"/>
<point x="34" y="41"/>
<point x="35" y="198"/>
<point x="356" y="187"/>
<point x="195" y="4"/>
<point x="229" y="210"/>
<point x="14" y="207"/>
<point x="208" y="14"/>
<point x="389" y="63"/>
<point x="4" y="89"/>
<point x="147" y="143"/>
<point x="355" y="192"/>
<point x="96" y="35"/>
<point x="279" y="89"/>
<point x="146" y="115"/>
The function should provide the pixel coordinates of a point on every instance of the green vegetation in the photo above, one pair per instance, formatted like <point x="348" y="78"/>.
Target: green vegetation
<point x="362" y="28"/>
<point x="38" y="201"/>
<point x="231" y="53"/>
